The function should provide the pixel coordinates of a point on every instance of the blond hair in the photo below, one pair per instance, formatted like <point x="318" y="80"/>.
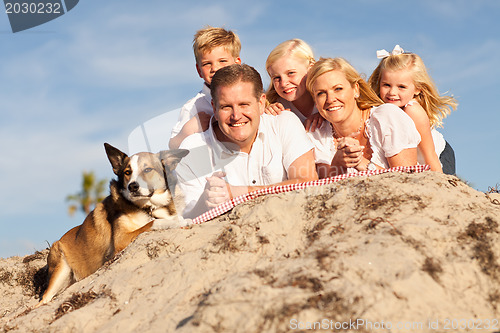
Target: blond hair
<point x="205" y="40"/>
<point x="436" y="107"/>
<point x="367" y="97"/>
<point x="295" y="48"/>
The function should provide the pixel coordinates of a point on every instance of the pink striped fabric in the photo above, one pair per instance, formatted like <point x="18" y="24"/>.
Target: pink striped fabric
<point x="230" y="204"/>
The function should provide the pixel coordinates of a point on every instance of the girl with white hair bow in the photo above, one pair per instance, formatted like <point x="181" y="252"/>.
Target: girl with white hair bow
<point x="401" y="79"/>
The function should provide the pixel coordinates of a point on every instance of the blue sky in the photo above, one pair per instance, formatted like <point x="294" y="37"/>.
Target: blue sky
<point x="94" y="74"/>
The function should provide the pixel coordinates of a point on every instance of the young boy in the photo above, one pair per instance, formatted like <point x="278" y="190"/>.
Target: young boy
<point x="213" y="48"/>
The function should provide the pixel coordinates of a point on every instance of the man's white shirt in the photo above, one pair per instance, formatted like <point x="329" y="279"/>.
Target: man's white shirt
<point x="280" y="141"/>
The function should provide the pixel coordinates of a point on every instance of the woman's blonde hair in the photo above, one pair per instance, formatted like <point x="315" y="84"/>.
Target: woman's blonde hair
<point x="367" y="97"/>
<point x="295" y="48"/>
<point x="205" y="40"/>
<point x="436" y="106"/>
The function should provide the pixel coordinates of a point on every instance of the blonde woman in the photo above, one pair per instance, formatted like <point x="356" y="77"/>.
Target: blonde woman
<point x="360" y="132"/>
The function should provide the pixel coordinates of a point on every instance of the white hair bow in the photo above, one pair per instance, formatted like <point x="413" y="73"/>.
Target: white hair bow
<point x="383" y="53"/>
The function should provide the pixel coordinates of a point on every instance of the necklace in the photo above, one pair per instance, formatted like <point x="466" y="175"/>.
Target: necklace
<point x="353" y="134"/>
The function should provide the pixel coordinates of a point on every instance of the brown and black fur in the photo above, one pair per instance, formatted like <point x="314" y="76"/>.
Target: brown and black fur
<point x="118" y="219"/>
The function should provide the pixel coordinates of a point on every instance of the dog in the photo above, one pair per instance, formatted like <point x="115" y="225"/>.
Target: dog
<point x="140" y="200"/>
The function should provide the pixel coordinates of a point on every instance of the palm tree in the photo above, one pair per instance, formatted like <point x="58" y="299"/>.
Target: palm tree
<point x="92" y="193"/>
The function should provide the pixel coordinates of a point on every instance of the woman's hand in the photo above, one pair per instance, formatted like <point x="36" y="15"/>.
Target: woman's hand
<point x="349" y="153"/>
<point x="313" y="121"/>
<point x="274" y="109"/>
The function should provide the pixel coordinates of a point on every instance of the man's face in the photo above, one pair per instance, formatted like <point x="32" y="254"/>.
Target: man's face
<point x="238" y="112"/>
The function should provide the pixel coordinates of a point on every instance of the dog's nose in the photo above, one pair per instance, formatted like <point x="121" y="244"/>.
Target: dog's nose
<point x="133" y="187"/>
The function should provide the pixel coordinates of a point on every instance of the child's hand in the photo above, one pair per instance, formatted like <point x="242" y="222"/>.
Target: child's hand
<point x="274" y="109"/>
<point x="313" y="121"/>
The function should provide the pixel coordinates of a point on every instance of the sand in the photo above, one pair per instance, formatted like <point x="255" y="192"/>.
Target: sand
<point x="387" y="253"/>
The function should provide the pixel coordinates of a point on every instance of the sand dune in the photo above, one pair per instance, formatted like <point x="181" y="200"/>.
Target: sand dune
<point x="393" y="252"/>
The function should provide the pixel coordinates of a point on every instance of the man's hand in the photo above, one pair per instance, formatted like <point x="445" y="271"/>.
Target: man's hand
<point x="217" y="190"/>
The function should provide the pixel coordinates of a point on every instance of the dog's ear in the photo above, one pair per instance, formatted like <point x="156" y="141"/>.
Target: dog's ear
<point x="170" y="158"/>
<point x="115" y="156"/>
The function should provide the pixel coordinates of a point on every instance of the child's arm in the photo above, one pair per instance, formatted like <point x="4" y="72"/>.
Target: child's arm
<point x="197" y="124"/>
<point x="426" y="145"/>
<point x="313" y="122"/>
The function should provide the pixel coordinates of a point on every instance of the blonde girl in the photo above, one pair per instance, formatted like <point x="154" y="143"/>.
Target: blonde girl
<point x="287" y="66"/>
<point x="402" y="79"/>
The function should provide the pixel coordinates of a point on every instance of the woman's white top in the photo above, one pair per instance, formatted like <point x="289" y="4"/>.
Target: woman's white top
<point x="389" y="130"/>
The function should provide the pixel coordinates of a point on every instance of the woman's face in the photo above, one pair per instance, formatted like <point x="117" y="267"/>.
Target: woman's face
<point x="334" y="96"/>
<point x="288" y="76"/>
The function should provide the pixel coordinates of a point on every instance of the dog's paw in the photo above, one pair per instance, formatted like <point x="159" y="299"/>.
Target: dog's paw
<point x="172" y="222"/>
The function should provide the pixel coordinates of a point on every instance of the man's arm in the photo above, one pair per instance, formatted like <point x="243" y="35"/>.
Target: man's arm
<point x="198" y="209"/>
<point x="303" y="169"/>
<point x="298" y="153"/>
<point x="217" y="190"/>
<point x="192" y="172"/>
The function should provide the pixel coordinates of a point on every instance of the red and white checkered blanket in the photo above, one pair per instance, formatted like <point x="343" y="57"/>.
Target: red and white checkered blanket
<point x="230" y="204"/>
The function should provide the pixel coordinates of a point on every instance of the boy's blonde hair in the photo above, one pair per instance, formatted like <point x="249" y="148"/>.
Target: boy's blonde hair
<point x="295" y="48"/>
<point x="205" y="40"/>
<point x="367" y="97"/>
<point x="436" y="106"/>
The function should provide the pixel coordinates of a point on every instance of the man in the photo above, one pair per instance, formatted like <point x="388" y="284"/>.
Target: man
<point x="243" y="149"/>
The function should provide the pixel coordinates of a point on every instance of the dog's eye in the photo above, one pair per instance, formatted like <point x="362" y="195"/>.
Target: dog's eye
<point x="148" y="170"/>
<point x="127" y="172"/>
